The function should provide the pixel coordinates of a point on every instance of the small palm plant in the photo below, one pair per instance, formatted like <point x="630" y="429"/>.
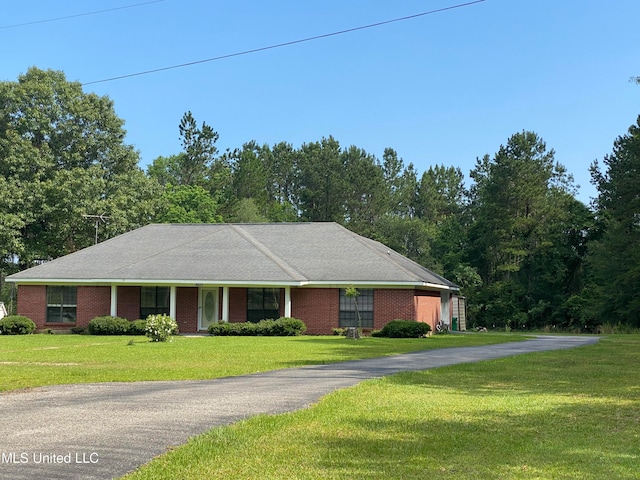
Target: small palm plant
<point x="352" y="292"/>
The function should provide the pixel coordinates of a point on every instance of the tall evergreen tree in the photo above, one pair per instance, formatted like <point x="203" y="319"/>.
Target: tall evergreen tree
<point x="517" y="213"/>
<point x="321" y="181"/>
<point x="365" y="199"/>
<point x="614" y="292"/>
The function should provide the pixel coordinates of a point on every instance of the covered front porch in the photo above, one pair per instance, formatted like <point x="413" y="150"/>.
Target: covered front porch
<point x="197" y="307"/>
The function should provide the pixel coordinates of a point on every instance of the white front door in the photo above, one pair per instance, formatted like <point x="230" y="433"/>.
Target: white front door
<point x="208" y="308"/>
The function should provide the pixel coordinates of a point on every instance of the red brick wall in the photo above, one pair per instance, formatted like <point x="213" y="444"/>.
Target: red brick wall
<point x="129" y="303"/>
<point x="187" y="309"/>
<point x="92" y="302"/>
<point x="392" y="304"/>
<point x="237" y="304"/>
<point x="428" y="307"/>
<point x="318" y="308"/>
<point x="32" y="303"/>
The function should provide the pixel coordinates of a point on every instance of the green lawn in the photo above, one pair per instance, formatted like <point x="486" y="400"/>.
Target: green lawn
<point x="569" y="414"/>
<point x="36" y="360"/>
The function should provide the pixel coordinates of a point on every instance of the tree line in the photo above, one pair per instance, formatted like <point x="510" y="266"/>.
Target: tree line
<point x="525" y="251"/>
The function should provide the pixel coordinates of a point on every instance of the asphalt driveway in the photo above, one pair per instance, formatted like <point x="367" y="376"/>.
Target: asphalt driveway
<point x="102" y="431"/>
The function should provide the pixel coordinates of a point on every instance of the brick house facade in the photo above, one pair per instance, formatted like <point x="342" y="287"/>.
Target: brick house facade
<point x="319" y="308"/>
<point x="234" y="273"/>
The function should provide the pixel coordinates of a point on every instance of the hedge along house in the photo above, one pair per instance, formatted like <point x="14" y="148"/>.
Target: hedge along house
<point x="207" y="273"/>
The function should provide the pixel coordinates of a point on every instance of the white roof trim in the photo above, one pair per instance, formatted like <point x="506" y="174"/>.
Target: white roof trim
<point x="194" y="283"/>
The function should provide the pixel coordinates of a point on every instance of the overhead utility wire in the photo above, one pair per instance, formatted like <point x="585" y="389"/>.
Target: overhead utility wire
<point x="79" y="15"/>
<point x="285" y="44"/>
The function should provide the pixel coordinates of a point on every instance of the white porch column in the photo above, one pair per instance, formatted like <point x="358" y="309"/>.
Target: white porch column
<point x="225" y="304"/>
<point x="114" y="301"/>
<point x="445" y="307"/>
<point x="287" y="301"/>
<point x="172" y="301"/>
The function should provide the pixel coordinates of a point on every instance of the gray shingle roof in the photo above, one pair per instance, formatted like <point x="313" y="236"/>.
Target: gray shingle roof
<point x="287" y="253"/>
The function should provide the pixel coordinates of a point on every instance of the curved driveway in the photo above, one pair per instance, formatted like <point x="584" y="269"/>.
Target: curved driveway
<point x="102" y="431"/>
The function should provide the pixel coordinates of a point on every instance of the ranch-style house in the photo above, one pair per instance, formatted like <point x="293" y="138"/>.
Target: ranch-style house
<point x="201" y="274"/>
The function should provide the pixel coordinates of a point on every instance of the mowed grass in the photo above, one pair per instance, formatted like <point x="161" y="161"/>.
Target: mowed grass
<point x="569" y="414"/>
<point x="38" y="360"/>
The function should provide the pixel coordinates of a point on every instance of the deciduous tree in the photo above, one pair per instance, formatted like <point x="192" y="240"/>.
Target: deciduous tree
<point x="62" y="155"/>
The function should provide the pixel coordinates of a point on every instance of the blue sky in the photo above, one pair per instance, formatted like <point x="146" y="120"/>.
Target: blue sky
<point x="444" y="88"/>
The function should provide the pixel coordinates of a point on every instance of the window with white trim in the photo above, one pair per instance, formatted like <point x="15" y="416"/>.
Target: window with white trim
<point x="349" y="313"/>
<point x="62" y="303"/>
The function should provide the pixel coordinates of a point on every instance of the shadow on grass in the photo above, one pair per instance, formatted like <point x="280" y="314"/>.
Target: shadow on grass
<point x="562" y="414"/>
<point x="554" y="443"/>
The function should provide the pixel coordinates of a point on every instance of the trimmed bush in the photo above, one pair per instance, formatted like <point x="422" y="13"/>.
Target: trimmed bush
<point x="403" y="329"/>
<point x="138" y="327"/>
<point x="233" y="329"/>
<point x="16" y="325"/>
<point x="160" y="328"/>
<point x="282" y="327"/>
<point x="108" y="325"/>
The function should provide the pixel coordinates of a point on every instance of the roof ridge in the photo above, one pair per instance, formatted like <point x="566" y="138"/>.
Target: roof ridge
<point x="284" y="266"/>
<point x="165" y="250"/>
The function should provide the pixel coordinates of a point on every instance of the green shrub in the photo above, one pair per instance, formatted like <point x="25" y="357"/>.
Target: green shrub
<point x="138" y="327"/>
<point x="403" y="329"/>
<point x="339" y="331"/>
<point x="108" y="325"/>
<point x="161" y="328"/>
<point x="16" y="325"/>
<point x="282" y="327"/>
<point x="78" y="330"/>
<point x="234" y="329"/>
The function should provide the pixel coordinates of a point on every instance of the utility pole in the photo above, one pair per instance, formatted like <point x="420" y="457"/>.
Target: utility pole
<point x="97" y="219"/>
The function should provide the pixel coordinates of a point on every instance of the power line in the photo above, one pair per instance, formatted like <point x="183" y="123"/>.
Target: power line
<point x="285" y="44"/>
<point x="78" y="15"/>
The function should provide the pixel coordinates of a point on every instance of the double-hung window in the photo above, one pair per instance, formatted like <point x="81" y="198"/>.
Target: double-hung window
<point x="61" y="304"/>
<point x="349" y="312"/>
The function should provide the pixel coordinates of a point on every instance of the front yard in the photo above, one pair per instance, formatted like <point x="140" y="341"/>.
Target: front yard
<point x="37" y="360"/>
<point x="569" y="414"/>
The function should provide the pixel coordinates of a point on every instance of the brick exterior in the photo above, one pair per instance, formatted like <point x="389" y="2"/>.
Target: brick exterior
<point x="237" y="305"/>
<point x="129" y="302"/>
<point x="187" y="309"/>
<point x="392" y="304"/>
<point x="428" y="307"/>
<point x="318" y="308"/>
<point x="92" y="302"/>
<point x="32" y="303"/>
